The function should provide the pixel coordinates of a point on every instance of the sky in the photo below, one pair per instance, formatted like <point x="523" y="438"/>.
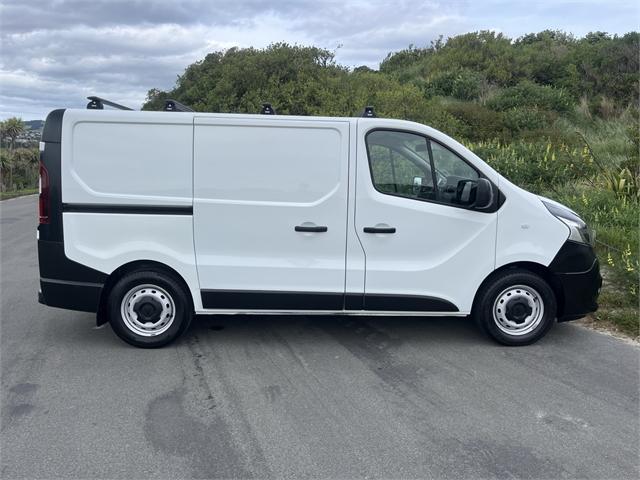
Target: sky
<point x="55" y="53"/>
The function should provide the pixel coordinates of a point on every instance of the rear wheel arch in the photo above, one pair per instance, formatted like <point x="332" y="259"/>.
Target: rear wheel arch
<point x="138" y="265"/>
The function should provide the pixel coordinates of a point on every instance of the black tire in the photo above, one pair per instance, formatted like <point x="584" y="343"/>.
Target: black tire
<point x="159" y="289"/>
<point x="508" y="327"/>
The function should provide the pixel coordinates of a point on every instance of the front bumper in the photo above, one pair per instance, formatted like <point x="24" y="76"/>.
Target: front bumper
<point x="576" y="273"/>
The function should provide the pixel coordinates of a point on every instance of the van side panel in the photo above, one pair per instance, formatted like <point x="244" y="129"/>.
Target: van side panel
<point x="127" y="190"/>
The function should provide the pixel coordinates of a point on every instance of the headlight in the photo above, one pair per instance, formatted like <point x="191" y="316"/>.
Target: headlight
<point x="578" y="230"/>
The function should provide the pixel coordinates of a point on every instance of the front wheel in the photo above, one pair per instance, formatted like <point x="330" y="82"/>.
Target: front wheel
<point x="516" y="307"/>
<point x="149" y="309"/>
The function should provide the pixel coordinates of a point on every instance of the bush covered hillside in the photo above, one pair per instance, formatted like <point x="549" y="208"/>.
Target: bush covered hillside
<point x="556" y="114"/>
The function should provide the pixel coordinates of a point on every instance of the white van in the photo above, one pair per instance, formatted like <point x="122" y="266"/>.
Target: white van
<point x="151" y="218"/>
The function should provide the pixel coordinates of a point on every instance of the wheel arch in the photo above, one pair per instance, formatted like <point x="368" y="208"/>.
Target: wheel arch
<point x="532" y="267"/>
<point x="137" y="265"/>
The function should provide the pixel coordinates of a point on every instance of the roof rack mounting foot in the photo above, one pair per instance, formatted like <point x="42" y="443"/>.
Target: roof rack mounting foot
<point x="267" y="109"/>
<point x="175" y="106"/>
<point x="97" y="103"/>
<point x="368" y="112"/>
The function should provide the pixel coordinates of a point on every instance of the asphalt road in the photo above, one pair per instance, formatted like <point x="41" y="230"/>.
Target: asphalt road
<point x="282" y="397"/>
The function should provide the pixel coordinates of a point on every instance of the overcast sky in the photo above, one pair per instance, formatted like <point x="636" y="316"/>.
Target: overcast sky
<point x="54" y="53"/>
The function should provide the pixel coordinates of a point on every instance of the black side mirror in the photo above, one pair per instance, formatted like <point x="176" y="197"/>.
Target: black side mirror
<point x="484" y="194"/>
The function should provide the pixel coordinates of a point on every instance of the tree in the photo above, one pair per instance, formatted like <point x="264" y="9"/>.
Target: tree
<point x="295" y="80"/>
<point x="12" y="128"/>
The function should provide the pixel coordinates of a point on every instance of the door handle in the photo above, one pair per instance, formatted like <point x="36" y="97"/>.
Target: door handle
<point x="379" y="229"/>
<point x="310" y="228"/>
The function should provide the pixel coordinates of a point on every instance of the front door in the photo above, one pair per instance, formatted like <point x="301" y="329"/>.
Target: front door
<point x="270" y="213"/>
<point x="426" y="250"/>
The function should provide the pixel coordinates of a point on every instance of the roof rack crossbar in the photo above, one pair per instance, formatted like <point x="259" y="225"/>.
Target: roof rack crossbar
<point x="175" y="106"/>
<point x="97" y="103"/>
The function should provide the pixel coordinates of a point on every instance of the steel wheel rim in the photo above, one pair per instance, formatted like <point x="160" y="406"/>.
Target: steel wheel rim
<point x="145" y="293"/>
<point x="520" y="293"/>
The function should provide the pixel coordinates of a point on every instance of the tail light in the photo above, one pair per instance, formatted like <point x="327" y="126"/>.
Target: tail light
<point x="43" y="201"/>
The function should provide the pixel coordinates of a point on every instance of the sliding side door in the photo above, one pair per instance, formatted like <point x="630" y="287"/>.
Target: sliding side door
<point x="270" y="211"/>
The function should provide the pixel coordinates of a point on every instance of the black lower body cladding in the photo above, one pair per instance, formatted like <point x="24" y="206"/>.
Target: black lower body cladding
<point x="275" y="300"/>
<point x="84" y="297"/>
<point x="577" y="273"/>
<point x="65" y="283"/>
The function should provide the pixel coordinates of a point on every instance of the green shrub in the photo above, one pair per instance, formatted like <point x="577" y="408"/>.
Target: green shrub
<point x="530" y="94"/>
<point x="518" y="119"/>
<point x="440" y="119"/>
<point x="462" y="84"/>
<point x="479" y="122"/>
<point x="467" y="86"/>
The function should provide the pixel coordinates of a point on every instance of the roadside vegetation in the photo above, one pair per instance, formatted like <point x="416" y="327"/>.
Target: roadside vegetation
<point x="557" y="115"/>
<point x="18" y="165"/>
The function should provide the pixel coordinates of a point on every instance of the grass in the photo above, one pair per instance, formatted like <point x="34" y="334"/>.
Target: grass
<point x="618" y="310"/>
<point x="608" y="139"/>
<point x="17" y="193"/>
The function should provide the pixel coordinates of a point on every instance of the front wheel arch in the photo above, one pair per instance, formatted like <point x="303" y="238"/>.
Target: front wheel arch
<point x="102" y="316"/>
<point x="532" y="267"/>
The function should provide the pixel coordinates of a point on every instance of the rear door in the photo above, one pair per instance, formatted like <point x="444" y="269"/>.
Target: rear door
<point x="270" y="211"/>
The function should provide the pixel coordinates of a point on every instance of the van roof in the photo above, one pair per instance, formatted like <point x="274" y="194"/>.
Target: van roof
<point x="161" y="116"/>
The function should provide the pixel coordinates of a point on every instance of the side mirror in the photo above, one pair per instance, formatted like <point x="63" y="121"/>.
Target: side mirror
<point x="417" y="185"/>
<point x="484" y="194"/>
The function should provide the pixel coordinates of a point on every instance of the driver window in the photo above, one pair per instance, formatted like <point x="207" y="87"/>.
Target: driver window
<point x="399" y="164"/>
<point x="456" y="178"/>
<point x="449" y="163"/>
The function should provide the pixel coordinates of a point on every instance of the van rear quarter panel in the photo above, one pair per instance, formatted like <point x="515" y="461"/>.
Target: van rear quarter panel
<point x="112" y="158"/>
<point x="107" y="241"/>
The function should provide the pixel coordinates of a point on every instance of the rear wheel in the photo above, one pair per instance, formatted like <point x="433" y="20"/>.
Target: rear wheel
<point x="149" y="309"/>
<point x="516" y="307"/>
